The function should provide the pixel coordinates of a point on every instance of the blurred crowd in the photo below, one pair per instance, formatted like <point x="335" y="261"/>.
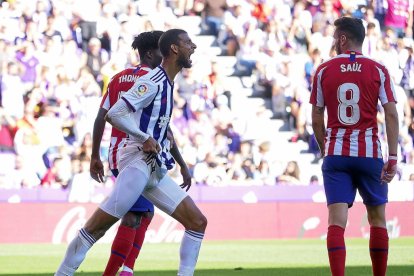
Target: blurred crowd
<point x="57" y="56"/>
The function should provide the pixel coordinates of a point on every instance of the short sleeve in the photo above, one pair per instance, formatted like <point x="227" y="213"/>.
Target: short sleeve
<point x="386" y="90"/>
<point x="316" y="97"/>
<point x="141" y="94"/>
<point x="105" y="103"/>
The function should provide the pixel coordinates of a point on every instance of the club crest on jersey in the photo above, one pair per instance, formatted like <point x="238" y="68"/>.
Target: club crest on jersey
<point x="141" y="89"/>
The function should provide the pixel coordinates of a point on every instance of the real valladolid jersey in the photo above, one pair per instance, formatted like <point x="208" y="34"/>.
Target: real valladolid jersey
<point x="350" y="85"/>
<point x="119" y="85"/>
<point x="151" y="100"/>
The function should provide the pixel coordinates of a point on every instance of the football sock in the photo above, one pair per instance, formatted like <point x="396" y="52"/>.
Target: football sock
<point x="121" y="247"/>
<point x="189" y="249"/>
<point x="336" y="250"/>
<point x="75" y="253"/>
<point x="378" y="249"/>
<point x="138" y="241"/>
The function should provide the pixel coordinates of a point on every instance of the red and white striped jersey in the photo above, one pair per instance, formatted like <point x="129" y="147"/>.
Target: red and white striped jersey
<point x="119" y="84"/>
<point x="350" y="85"/>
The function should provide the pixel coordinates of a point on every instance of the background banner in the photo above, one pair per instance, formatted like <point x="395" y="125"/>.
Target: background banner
<point x="59" y="222"/>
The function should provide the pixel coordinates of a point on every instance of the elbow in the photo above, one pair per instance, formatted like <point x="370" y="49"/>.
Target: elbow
<point x="108" y="118"/>
<point x="391" y="117"/>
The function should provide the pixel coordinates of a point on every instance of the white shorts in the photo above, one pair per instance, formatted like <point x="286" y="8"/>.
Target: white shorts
<point x="136" y="177"/>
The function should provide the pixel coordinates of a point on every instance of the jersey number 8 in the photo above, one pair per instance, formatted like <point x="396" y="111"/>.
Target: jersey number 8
<point x="348" y="109"/>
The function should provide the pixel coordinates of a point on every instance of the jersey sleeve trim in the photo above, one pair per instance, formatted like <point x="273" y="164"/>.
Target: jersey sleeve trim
<point x="130" y="106"/>
<point x="386" y="90"/>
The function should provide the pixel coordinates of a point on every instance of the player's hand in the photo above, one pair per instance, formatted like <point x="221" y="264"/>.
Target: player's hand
<point x="151" y="146"/>
<point x="96" y="170"/>
<point x="389" y="170"/>
<point x="186" y="178"/>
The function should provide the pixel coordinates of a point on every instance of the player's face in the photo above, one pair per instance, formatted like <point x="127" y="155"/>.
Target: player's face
<point x="337" y="43"/>
<point x="185" y="50"/>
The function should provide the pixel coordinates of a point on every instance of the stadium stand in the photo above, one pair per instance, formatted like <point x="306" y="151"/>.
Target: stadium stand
<point x="242" y="111"/>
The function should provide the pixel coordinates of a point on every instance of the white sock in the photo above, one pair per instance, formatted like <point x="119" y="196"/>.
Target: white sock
<point x="127" y="269"/>
<point x="75" y="253"/>
<point x="190" y="247"/>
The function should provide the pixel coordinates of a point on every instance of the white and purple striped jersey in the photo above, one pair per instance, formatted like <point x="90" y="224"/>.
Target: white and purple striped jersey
<point x="151" y="100"/>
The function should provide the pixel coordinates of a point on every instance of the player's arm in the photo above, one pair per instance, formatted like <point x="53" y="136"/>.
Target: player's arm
<point x="318" y="125"/>
<point x="318" y="110"/>
<point x="391" y="124"/>
<point x="96" y="166"/>
<point x="120" y="114"/>
<point x="180" y="161"/>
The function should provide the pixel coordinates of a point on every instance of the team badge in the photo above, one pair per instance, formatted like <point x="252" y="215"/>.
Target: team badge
<point x="141" y="89"/>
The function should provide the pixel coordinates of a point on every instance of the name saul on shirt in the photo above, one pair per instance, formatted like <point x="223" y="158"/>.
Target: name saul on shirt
<point x="352" y="67"/>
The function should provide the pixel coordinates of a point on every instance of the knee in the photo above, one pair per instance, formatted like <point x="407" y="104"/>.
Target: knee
<point x="96" y="232"/>
<point x="130" y="220"/>
<point x="199" y="224"/>
<point x="377" y="221"/>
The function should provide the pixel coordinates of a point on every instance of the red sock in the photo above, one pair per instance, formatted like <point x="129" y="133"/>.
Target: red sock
<point x="138" y="241"/>
<point x="378" y="249"/>
<point x="121" y="247"/>
<point x="336" y="250"/>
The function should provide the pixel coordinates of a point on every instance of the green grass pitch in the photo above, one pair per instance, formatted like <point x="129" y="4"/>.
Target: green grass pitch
<point x="241" y="258"/>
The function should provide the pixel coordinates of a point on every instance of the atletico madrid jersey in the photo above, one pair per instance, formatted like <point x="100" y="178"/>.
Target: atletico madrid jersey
<point x="350" y="86"/>
<point x="118" y="85"/>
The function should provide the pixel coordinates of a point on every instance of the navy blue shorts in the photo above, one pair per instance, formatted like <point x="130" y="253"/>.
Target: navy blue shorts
<point x="142" y="204"/>
<point x="343" y="176"/>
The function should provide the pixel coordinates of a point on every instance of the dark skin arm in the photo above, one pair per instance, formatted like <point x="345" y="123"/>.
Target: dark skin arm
<point x="180" y="161"/>
<point x="96" y="166"/>
<point x="318" y="125"/>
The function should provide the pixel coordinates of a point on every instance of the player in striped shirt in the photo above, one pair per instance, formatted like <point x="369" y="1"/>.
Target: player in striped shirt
<point x="350" y="86"/>
<point x="144" y="113"/>
<point x="130" y="236"/>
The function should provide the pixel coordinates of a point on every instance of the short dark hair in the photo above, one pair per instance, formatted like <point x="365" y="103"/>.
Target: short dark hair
<point x="167" y="39"/>
<point x="370" y="25"/>
<point x="352" y="27"/>
<point x="146" y="41"/>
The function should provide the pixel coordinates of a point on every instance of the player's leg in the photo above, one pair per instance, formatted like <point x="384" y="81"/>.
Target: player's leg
<point x="195" y="223"/>
<point x="374" y="194"/>
<point x="94" y="229"/>
<point x="129" y="184"/>
<point x="145" y="210"/>
<point x="170" y="198"/>
<point x="335" y="241"/>
<point x="122" y="244"/>
<point x="130" y="236"/>
<point x="378" y="239"/>
<point x="340" y="194"/>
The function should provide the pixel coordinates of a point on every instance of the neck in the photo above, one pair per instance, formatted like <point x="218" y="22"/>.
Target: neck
<point x="146" y="63"/>
<point x="354" y="48"/>
<point x="171" y="68"/>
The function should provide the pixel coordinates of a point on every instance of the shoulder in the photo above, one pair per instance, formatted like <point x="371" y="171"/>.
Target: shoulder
<point x="327" y="63"/>
<point x="157" y="75"/>
<point x="147" y="83"/>
<point x="124" y="72"/>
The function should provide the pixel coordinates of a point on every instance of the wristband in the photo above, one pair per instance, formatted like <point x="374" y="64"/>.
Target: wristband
<point x="392" y="157"/>
<point x="391" y="163"/>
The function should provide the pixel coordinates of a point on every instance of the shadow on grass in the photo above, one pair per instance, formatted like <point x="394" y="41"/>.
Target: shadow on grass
<point x="288" y="271"/>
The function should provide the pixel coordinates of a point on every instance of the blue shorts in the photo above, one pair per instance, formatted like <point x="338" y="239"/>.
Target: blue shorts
<point x="142" y="204"/>
<point x="343" y="176"/>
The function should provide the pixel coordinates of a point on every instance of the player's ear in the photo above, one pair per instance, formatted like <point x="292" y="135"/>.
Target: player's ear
<point x="174" y="48"/>
<point x="343" y="39"/>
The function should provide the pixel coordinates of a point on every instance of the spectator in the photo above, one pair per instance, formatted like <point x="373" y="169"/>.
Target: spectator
<point x="291" y="175"/>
